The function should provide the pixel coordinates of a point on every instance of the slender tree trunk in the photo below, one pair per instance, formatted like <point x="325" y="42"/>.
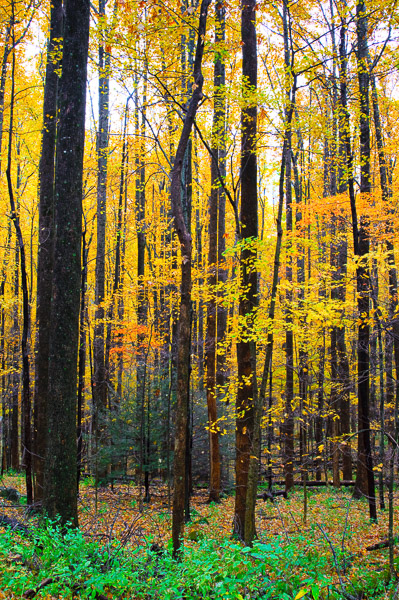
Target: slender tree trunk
<point x="247" y="406"/>
<point x="26" y="399"/>
<point x="288" y="424"/>
<point x="15" y="376"/>
<point x="5" y="411"/>
<point x="215" y="230"/>
<point x="365" y="474"/>
<point x="100" y="383"/>
<point x="183" y="233"/>
<point x="345" y="183"/>
<point x="3" y="79"/>
<point x="82" y="357"/>
<point x="387" y="388"/>
<point x="302" y="353"/>
<point x="46" y="238"/>
<point x="60" y="484"/>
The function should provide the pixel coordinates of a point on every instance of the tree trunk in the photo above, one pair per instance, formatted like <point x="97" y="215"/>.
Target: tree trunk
<point x="183" y="233"/>
<point x="247" y="409"/>
<point x="3" y="78"/>
<point x="82" y="357"/>
<point x="26" y="399"/>
<point x="100" y="381"/>
<point x="60" y="486"/>
<point x="288" y="424"/>
<point x="15" y="375"/>
<point x="5" y="411"/>
<point x="46" y="238"/>
<point x="215" y="230"/>
<point x="365" y="474"/>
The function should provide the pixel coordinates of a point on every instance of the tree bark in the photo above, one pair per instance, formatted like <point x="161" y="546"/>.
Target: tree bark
<point x="288" y="424"/>
<point x="100" y="380"/>
<point x="215" y="231"/>
<point x="247" y="409"/>
<point x="26" y="398"/>
<point x="3" y="79"/>
<point x="184" y="236"/>
<point x="46" y="238"/>
<point x="60" y="486"/>
<point x="365" y="474"/>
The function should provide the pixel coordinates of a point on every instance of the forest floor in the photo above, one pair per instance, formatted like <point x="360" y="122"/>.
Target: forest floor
<point x="322" y="556"/>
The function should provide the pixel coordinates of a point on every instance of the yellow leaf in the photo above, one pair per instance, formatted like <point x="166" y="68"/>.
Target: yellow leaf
<point x="301" y="594"/>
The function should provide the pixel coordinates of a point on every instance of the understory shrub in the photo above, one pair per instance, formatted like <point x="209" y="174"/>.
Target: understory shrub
<point x="79" y="567"/>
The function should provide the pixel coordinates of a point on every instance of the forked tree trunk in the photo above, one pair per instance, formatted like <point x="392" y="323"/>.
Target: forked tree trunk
<point x="184" y="236"/>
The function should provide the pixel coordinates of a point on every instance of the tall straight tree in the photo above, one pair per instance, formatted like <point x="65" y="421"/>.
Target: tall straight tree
<point x="217" y="202"/>
<point x="26" y="402"/>
<point x="246" y="426"/>
<point x="184" y="331"/>
<point x="46" y="238"/>
<point x="60" y="489"/>
<point x="365" y="474"/>
<point x="100" y="375"/>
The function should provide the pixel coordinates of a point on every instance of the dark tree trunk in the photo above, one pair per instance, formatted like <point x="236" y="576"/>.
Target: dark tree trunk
<point x="3" y="79"/>
<point x="46" y="238"/>
<point x="365" y="474"/>
<point x="215" y="231"/>
<point x="5" y="412"/>
<point x="247" y="410"/>
<point x="288" y="424"/>
<point x="15" y="375"/>
<point x="82" y="357"/>
<point x="387" y="386"/>
<point x="183" y="233"/>
<point x="100" y="382"/>
<point x="60" y="485"/>
<point x="345" y="183"/>
<point x="26" y="399"/>
<point x="302" y="353"/>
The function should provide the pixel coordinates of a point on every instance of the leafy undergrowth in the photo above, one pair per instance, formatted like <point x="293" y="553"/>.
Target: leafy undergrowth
<point x="122" y="552"/>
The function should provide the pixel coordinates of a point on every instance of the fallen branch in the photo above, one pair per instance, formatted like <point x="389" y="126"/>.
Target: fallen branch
<point x="382" y="544"/>
<point x="271" y="495"/>
<point x="14" y="525"/>
<point x="313" y="483"/>
<point x="31" y="593"/>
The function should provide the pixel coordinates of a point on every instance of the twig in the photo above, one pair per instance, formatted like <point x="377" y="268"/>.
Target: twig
<point x="282" y="522"/>
<point x="336" y="564"/>
<point x="345" y="530"/>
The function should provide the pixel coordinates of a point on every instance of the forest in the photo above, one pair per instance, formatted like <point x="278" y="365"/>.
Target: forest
<point x="199" y="319"/>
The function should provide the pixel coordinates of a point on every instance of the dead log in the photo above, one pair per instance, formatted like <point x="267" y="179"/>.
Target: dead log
<point x="271" y="495"/>
<point x="382" y="544"/>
